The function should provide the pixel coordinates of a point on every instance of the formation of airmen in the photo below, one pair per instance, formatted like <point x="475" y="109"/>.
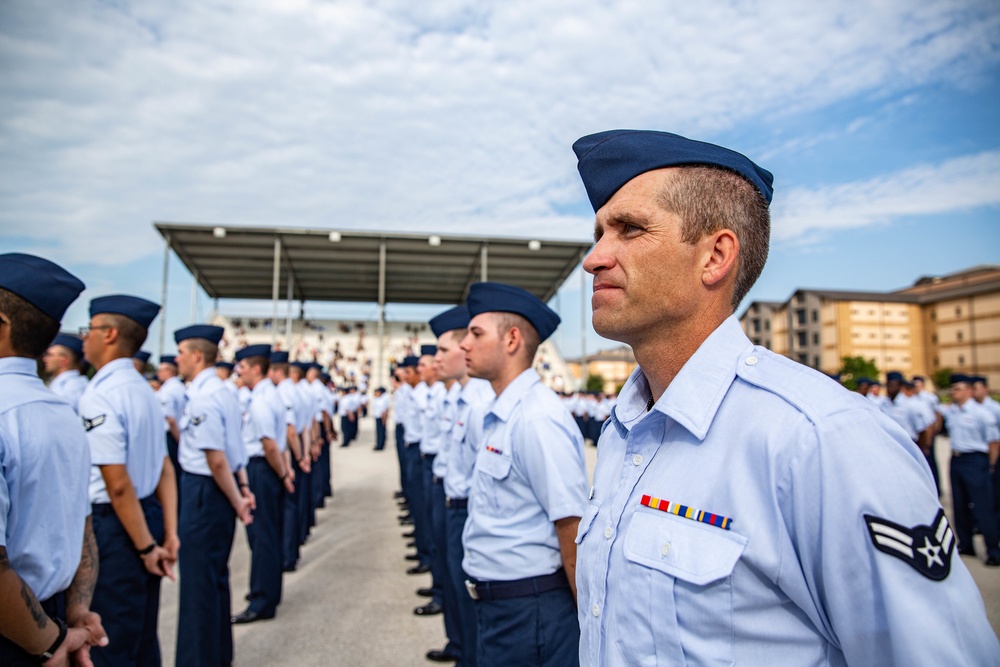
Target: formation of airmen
<point x="743" y="508"/>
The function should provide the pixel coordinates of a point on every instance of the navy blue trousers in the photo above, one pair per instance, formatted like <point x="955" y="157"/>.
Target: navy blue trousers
<point x="346" y="430"/>
<point x="306" y="520"/>
<point x="321" y="475"/>
<point x="400" y="454"/>
<point x="264" y="537"/>
<point x="126" y="596"/>
<point x="418" y="502"/>
<point x="532" y="630"/>
<point x="379" y="433"/>
<point x="435" y="515"/>
<point x="465" y="608"/>
<point x="290" y="524"/>
<point x="207" y="526"/>
<point x="172" y="452"/>
<point x="972" y="491"/>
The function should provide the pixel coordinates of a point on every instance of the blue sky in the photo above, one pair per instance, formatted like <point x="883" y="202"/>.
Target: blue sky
<point x="881" y="123"/>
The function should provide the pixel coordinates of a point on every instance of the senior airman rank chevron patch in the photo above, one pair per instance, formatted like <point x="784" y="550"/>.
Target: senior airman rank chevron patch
<point x="686" y="512"/>
<point x="93" y="423"/>
<point x="927" y="549"/>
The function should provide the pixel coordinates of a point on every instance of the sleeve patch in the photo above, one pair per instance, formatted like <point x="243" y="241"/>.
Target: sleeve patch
<point x="195" y="421"/>
<point x="89" y="424"/>
<point x="927" y="549"/>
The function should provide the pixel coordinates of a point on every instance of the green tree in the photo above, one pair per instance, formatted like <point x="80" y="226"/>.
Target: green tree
<point x="595" y="382"/>
<point x="942" y="379"/>
<point x="852" y="368"/>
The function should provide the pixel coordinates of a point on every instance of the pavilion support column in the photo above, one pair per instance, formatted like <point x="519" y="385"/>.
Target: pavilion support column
<point x="275" y="284"/>
<point x="163" y="293"/>
<point x="288" y="313"/>
<point x="484" y="260"/>
<point x="380" y="371"/>
<point x="194" y="297"/>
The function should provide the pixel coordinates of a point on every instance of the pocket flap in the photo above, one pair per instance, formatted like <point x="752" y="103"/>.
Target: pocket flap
<point x="496" y="466"/>
<point x="682" y="548"/>
<point x="587" y="521"/>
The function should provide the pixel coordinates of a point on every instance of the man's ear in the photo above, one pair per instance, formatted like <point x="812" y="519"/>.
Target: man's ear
<point x="512" y="340"/>
<point x="721" y="250"/>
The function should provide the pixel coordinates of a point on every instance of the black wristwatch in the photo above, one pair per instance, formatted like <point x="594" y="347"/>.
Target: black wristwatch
<point x="47" y="655"/>
<point x="147" y="550"/>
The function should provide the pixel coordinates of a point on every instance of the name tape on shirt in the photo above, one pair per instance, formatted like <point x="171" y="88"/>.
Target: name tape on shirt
<point x="927" y="549"/>
<point x="686" y="512"/>
<point x="93" y="423"/>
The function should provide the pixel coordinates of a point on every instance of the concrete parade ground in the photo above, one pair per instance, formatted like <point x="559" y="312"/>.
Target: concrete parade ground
<point x="350" y="602"/>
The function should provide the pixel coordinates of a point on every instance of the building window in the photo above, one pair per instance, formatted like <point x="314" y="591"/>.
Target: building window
<point x="756" y="341"/>
<point x="958" y="336"/>
<point x="961" y="360"/>
<point x="815" y="316"/>
<point x="934" y="315"/>
<point x="804" y="359"/>
<point x="871" y="312"/>
<point x="934" y="339"/>
<point x="815" y="362"/>
<point x="756" y="326"/>
<point x="958" y="311"/>
<point x="854" y="311"/>
<point x="803" y="340"/>
<point x="800" y="315"/>
<point x="799" y="298"/>
<point x="815" y="339"/>
<point x="888" y="336"/>
<point x="767" y="325"/>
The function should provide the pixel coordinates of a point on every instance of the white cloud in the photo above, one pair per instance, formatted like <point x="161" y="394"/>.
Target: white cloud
<point x="395" y="115"/>
<point x="805" y="215"/>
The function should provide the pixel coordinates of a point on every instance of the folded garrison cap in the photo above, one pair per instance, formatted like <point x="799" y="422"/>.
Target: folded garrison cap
<point x="428" y="349"/>
<point x="409" y="362"/>
<point x="45" y="285"/>
<point x="140" y="311"/>
<point x="501" y="298"/>
<point x="253" y="351"/>
<point x="279" y="357"/>
<point x="169" y="359"/>
<point x="210" y="333"/>
<point x="142" y="356"/>
<point x="894" y="375"/>
<point x="225" y="364"/>
<point x="70" y="342"/>
<point x="955" y="378"/>
<point x="609" y="160"/>
<point x="449" y="320"/>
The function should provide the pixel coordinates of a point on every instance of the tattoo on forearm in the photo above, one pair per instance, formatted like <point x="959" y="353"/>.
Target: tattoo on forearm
<point x="81" y="591"/>
<point x="30" y="601"/>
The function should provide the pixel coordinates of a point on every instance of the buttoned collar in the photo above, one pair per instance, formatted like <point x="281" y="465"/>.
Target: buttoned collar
<point x="693" y="398"/>
<point x="18" y="366"/>
<point x="203" y="377"/>
<point x="112" y="367"/>
<point x="508" y="399"/>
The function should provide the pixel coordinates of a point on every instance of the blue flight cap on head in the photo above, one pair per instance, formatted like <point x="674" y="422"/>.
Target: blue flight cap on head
<point x="254" y="351"/>
<point x="918" y="377"/>
<point x="428" y="349"/>
<point x="955" y="378"/>
<point x="210" y="333"/>
<point x="876" y="382"/>
<point x="71" y="342"/>
<point x="169" y="359"/>
<point x="609" y="160"/>
<point x="325" y="377"/>
<point x="313" y="364"/>
<point x="409" y="362"/>
<point x="863" y="380"/>
<point x="978" y="378"/>
<point x="451" y="319"/>
<point x="140" y="311"/>
<point x="225" y="364"/>
<point x="142" y="356"/>
<point x="501" y="298"/>
<point x="45" y="285"/>
<point x="279" y="357"/>
<point x="301" y="365"/>
<point x="894" y="375"/>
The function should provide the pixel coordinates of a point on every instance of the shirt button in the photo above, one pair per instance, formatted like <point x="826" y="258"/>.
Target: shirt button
<point x="608" y="532"/>
<point x="637" y="459"/>
<point x="596" y="611"/>
<point x="665" y="549"/>
<point x="751" y="360"/>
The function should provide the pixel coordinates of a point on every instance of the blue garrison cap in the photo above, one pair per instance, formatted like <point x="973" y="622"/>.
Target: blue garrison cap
<point x="501" y="298"/>
<point x="894" y="375"/>
<point x="918" y="377"/>
<point x="169" y="359"/>
<point x="45" y="285"/>
<point x="409" y="362"/>
<point x="142" y="356"/>
<point x="864" y="380"/>
<point x="279" y="357"/>
<point x="451" y="319"/>
<point x="301" y="365"/>
<point x="609" y="160"/>
<point x="325" y="377"/>
<point x="140" y="311"/>
<point x="253" y="351"/>
<point x="313" y="364"/>
<point x="428" y="349"/>
<point x="225" y="364"/>
<point x="210" y="333"/>
<point x="978" y="378"/>
<point x="955" y="378"/>
<point x="70" y="342"/>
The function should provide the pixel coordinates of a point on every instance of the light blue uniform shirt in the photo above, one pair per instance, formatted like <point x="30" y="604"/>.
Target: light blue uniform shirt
<point x="44" y="461"/>
<point x="432" y="438"/>
<point x="172" y="398"/>
<point x="211" y="421"/>
<point x="290" y="397"/>
<point x="446" y="422"/>
<point x="529" y="473"/>
<point x="993" y="408"/>
<point x="911" y="414"/>
<point x="305" y="405"/>
<point x="70" y="385"/>
<point x="794" y="462"/>
<point x="402" y="398"/>
<point x="971" y="427"/>
<point x="416" y="405"/>
<point x="473" y="402"/>
<point x="124" y="423"/>
<point x="380" y="406"/>
<point x="264" y="417"/>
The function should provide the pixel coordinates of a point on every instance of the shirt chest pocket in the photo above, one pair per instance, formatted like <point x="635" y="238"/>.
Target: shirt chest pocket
<point x="688" y="567"/>
<point x="492" y="469"/>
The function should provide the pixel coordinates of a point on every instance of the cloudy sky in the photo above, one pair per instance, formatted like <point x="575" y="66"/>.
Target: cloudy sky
<point x="880" y="121"/>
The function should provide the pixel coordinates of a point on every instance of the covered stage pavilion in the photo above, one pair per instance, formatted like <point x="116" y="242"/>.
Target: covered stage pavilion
<point x="323" y="265"/>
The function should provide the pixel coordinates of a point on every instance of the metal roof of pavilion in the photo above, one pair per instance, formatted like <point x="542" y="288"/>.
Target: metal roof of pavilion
<point x="240" y="264"/>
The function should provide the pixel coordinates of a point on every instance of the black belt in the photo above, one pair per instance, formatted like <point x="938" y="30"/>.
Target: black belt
<point x="106" y="509"/>
<point x="955" y="454"/>
<point x="505" y="590"/>
<point x="436" y="479"/>
<point x="456" y="503"/>
<point x="411" y="444"/>
<point x="428" y="456"/>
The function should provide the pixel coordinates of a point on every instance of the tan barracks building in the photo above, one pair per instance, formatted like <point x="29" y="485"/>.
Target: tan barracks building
<point x="950" y="321"/>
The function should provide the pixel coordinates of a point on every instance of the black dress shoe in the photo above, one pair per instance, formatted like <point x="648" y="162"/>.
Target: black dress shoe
<point x="432" y="608"/>
<point x="411" y="557"/>
<point x="411" y="543"/>
<point x="441" y="656"/>
<point x="409" y="534"/>
<point x="419" y="569"/>
<point x="425" y="592"/>
<point x="406" y="522"/>
<point x="398" y="494"/>
<point x="992" y="562"/>
<point x="247" y="616"/>
<point x="289" y="568"/>
<point x="404" y="517"/>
